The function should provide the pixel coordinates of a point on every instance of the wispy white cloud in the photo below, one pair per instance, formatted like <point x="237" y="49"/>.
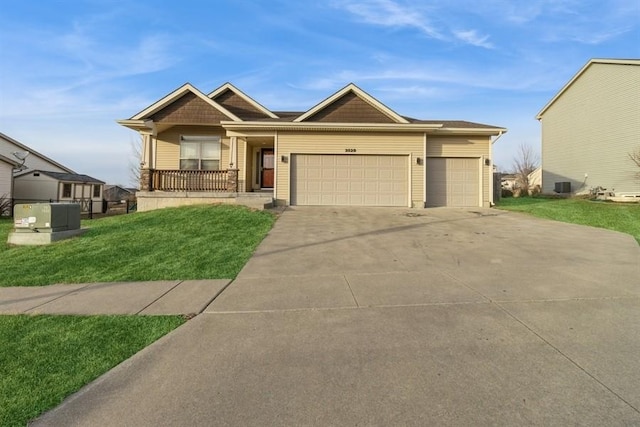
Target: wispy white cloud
<point x="80" y="67"/>
<point x="589" y="22"/>
<point x="389" y="13"/>
<point x="394" y="14"/>
<point x="473" y="38"/>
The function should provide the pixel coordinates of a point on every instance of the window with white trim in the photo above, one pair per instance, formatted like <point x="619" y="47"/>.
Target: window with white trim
<point x="200" y="152"/>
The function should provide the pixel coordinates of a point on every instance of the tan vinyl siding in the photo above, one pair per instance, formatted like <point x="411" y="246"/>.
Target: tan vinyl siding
<point x="590" y="129"/>
<point x="168" y="145"/>
<point x="465" y="146"/>
<point x="409" y="144"/>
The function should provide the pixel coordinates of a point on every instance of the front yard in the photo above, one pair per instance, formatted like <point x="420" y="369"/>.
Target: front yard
<point x="43" y="359"/>
<point x="623" y="217"/>
<point x="196" y="242"/>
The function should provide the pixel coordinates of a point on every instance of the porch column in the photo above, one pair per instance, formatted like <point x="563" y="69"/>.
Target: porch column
<point x="232" y="180"/>
<point x="233" y="152"/>
<point x="146" y="162"/>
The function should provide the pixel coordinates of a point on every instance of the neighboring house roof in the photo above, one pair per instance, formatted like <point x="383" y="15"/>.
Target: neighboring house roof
<point x="627" y="62"/>
<point x="8" y="160"/>
<point x="33" y="152"/>
<point x="116" y="192"/>
<point x="128" y="190"/>
<point x="69" y="177"/>
<point x="350" y="108"/>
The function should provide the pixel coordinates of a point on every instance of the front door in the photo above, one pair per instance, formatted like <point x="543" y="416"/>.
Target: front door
<point x="267" y="161"/>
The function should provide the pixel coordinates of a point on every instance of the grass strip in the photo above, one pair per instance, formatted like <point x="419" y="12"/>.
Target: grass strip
<point x="623" y="217"/>
<point x="43" y="359"/>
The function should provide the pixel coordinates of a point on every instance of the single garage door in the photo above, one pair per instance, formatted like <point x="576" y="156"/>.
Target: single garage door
<point x="349" y="180"/>
<point x="453" y="182"/>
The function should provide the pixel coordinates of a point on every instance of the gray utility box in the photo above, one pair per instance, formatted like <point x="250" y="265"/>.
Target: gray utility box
<point x="46" y="217"/>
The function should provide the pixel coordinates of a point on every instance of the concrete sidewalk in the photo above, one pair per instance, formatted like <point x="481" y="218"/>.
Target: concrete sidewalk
<point x="150" y="298"/>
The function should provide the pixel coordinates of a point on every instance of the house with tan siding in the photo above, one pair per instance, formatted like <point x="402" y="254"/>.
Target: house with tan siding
<point x="348" y="150"/>
<point x="590" y="127"/>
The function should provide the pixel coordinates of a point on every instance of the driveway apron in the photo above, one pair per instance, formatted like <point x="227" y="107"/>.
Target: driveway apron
<point x="386" y="316"/>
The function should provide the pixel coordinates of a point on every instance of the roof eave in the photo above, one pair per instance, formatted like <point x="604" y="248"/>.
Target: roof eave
<point x="406" y="127"/>
<point x="9" y="161"/>
<point x="471" y="131"/>
<point x="136" y="125"/>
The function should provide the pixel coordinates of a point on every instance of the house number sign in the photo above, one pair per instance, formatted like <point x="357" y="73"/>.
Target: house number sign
<point x="350" y="150"/>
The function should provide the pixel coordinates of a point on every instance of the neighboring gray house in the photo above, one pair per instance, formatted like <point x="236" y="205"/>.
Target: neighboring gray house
<point x="6" y="184"/>
<point x="41" y="179"/>
<point x="116" y="193"/>
<point x="34" y="160"/>
<point x="589" y="128"/>
<point x="44" y="186"/>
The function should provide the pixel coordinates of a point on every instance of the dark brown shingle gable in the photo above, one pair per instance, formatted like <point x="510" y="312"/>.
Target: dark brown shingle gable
<point x="189" y="109"/>
<point x="350" y="108"/>
<point x="238" y="106"/>
<point x="351" y="105"/>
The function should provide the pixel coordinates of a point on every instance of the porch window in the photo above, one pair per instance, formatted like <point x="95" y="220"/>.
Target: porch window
<point x="200" y="152"/>
<point x="66" y="190"/>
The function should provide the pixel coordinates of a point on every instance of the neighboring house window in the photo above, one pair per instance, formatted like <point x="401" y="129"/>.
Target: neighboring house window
<point x="200" y="152"/>
<point x="66" y="190"/>
<point x="96" y="190"/>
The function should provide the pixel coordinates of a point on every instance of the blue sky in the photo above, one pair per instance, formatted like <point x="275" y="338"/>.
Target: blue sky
<point x="70" y="69"/>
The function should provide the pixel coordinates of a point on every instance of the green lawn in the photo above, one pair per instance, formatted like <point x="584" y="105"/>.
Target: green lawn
<point x="196" y="242"/>
<point x="43" y="359"/>
<point x="624" y="217"/>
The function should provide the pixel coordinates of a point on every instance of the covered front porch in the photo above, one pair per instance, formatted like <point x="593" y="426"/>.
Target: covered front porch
<point x="246" y="176"/>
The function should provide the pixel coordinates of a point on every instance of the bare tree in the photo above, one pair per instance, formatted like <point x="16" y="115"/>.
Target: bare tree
<point x="134" y="162"/>
<point x="635" y="158"/>
<point x="525" y="162"/>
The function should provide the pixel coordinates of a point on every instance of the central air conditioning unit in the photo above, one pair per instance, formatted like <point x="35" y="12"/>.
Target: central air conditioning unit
<point x="46" y="217"/>
<point x="562" y="187"/>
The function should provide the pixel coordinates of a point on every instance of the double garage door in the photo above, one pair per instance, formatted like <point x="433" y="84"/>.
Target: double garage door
<point x="349" y="180"/>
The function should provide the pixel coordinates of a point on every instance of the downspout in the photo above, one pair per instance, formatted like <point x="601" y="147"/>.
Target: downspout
<point x="277" y="157"/>
<point x="491" y="204"/>
<point x="424" y="172"/>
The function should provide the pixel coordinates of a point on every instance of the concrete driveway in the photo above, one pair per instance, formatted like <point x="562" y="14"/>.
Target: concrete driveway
<point x="383" y="316"/>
